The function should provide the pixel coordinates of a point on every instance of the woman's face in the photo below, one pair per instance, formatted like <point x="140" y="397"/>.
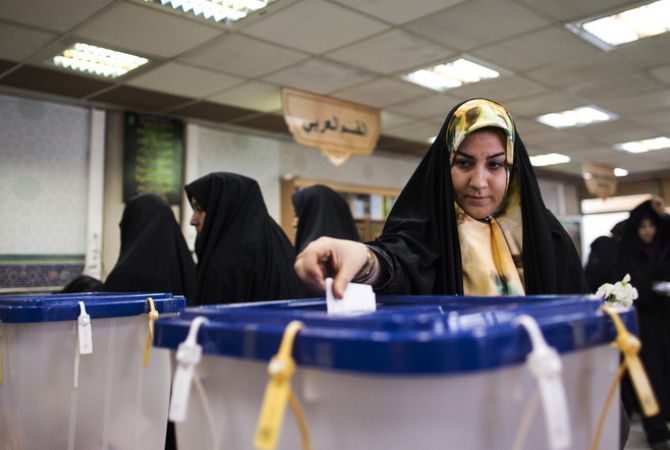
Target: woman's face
<point x="198" y="217"/>
<point x="647" y="231"/>
<point x="478" y="173"/>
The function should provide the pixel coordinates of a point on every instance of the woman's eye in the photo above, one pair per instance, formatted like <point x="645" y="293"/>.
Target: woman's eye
<point x="496" y="165"/>
<point x="462" y="163"/>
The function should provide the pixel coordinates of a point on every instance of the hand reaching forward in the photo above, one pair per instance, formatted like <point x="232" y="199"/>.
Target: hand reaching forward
<point x="329" y="257"/>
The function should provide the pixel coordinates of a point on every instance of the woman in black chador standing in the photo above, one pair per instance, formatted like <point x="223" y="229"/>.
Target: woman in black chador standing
<point x="243" y="255"/>
<point x="320" y="211"/>
<point x="645" y="255"/>
<point x="154" y="256"/>
<point x="470" y="221"/>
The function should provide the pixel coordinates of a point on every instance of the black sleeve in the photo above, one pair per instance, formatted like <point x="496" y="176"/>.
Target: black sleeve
<point x="394" y="280"/>
<point x="570" y="274"/>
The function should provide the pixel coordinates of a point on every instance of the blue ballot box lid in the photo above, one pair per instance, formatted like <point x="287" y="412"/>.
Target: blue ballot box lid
<point x="57" y="307"/>
<point x="406" y="335"/>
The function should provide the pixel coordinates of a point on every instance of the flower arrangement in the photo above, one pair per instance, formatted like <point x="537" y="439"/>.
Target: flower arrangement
<point x="621" y="292"/>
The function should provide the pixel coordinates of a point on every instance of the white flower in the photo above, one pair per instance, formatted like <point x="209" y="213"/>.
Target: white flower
<point x="621" y="292"/>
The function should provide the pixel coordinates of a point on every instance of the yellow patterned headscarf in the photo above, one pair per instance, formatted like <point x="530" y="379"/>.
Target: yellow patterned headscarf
<point x="474" y="115"/>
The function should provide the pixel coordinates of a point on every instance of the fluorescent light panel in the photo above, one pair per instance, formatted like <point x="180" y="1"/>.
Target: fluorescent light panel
<point x="451" y="75"/>
<point x="220" y="11"/>
<point x="627" y="26"/>
<point x="644" y="145"/>
<point x="577" y="117"/>
<point x="97" y="60"/>
<point x="549" y="159"/>
<point x="619" y="172"/>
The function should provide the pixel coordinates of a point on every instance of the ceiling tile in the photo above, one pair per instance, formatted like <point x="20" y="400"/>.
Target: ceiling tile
<point x="420" y="131"/>
<point x="314" y="26"/>
<point x="615" y="132"/>
<point x="630" y="106"/>
<point x="581" y="69"/>
<point x="476" y="23"/>
<point x="634" y="83"/>
<point x="658" y="120"/>
<point x="574" y="9"/>
<point x="534" y="49"/>
<point x="53" y="82"/>
<point x="251" y="95"/>
<point x="499" y="89"/>
<point x="390" y="120"/>
<point x="146" y="31"/>
<point x="380" y="92"/>
<point x="56" y="15"/>
<point x="243" y="56"/>
<point x="662" y="73"/>
<point x="435" y="105"/>
<point x="179" y="79"/>
<point x="17" y="43"/>
<point x="390" y="52"/>
<point x="646" y="53"/>
<point x="397" y="11"/>
<point x="532" y="107"/>
<point x="318" y="76"/>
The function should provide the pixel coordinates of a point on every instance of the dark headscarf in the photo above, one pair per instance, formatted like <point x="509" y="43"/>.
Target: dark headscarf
<point x="243" y="255"/>
<point x="422" y="238"/>
<point x="154" y="256"/>
<point x="644" y="262"/>
<point x="322" y="212"/>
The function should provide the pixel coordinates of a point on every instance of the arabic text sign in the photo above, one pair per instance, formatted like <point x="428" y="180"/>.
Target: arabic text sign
<point x="153" y="150"/>
<point x="599" y="179"/>
<point x="329" y="124"/>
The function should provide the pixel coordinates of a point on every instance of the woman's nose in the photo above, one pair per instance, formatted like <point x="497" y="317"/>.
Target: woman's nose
<point x="478" y="179"/>
<point x="194" y="220"/>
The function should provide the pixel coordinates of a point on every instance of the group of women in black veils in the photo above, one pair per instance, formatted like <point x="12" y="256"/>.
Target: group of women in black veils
<point x="640" y="247"/>
<point x="470" y="221"/>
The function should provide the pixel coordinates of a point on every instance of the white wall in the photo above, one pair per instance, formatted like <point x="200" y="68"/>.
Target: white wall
<point x="266" y="160"/>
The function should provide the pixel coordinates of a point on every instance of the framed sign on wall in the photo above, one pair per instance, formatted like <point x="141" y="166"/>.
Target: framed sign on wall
<point x="152" y="156"/>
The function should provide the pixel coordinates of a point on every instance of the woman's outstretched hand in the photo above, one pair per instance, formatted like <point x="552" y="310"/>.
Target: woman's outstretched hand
<point x="330" y="257"/>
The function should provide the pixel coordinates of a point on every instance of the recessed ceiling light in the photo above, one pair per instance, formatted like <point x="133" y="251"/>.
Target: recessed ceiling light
<point x="220" y="11"/>
<point x="626" y="26"/>
<point x="451" y="75"/>
<point x="97" y="60"/>
<point x="577" y="117"/>
<point x="644" y="145"/>
<point x="549" y="159"/>
<point x="619" y="172"/>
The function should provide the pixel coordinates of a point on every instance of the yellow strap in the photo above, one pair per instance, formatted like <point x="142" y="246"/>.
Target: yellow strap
<point x="278" y="392"/>
<point x="630" y="346"/>
<point x="603" y="413"/>
<point x="153" y="315"/>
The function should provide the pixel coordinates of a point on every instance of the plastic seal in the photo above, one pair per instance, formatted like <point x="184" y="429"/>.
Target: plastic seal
<point x="84" y="331"/>
<point x="153" y="316"/>
<point x="278" y="393"/>
<point x="630" y="346"/>
<point x="188" y="356"/>
<point x="544" y="363"/>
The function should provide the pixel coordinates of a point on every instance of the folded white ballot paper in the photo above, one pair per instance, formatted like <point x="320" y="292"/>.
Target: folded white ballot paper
<point x="357" y="299"/>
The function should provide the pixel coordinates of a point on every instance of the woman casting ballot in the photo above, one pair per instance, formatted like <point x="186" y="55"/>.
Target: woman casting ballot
<point x="470" y="221"/>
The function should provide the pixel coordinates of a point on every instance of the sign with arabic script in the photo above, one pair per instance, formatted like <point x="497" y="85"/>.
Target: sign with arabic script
<point x="599" y="179"/>
<point x="153" y="148"/>
<point x="340" y="129"/>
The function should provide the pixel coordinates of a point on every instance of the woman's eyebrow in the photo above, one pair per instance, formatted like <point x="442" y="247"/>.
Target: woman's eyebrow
<point x="496" y="155"/>
<point x="460" y="153"/>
